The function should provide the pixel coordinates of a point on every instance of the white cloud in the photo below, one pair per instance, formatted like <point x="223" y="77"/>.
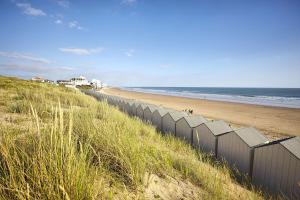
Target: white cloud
<point x="75" y="24"/>
<point x="63" y="3"/>
<point x="24" y="57"/>
<point x="29" y="10"/>
<point x="34" y="68"/>
<point x="81" y="52"/>
<point x="67" y="68"/>
<point x="58" y="21"/>
<point x="129" y="2"/>
<point x="129" y="52"/>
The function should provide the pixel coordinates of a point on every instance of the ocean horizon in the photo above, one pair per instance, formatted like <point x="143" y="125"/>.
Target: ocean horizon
<point x="279" y="97"/>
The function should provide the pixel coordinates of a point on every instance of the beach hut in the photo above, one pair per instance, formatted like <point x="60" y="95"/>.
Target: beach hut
<point x="185" y="125"/>
<point x="205" y="136"/>
<point x="148" y="112"/>
<point x="134" y="107"/>
<point x="109" y="99"/>
<point x="276" y="167"/>
<point x="140" y="111"/>
<point x="237" y="148"/>
<point x="119" y="102"/>
<point x="98" y="96"/>
<point x="157" y="117"/>
<point x="104" y="97"/>
<point x="89" y="92"/>
<point x="115" y="101"/>
<point x="122" y="104"/>
<point x="128" y="108"/>
<point x="169" y="121"/>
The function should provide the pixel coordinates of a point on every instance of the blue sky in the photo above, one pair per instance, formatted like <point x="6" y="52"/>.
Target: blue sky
<point x="154" y="42"/>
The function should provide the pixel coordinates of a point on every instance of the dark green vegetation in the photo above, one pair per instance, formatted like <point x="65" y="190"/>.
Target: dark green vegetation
<point x="57" y="143"/>
<point x="85" y="87"/>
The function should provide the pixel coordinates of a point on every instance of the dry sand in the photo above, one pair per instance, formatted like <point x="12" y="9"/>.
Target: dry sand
<point x="275" y="122"/>
<point x="169" y="188"/>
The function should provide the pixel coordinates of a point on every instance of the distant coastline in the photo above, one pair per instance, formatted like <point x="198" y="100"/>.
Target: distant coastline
<point x="278" y="97"/>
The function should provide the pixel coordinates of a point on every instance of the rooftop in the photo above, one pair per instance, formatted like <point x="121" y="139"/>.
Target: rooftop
<point x="293" y="145"/>
<point x="251" y="136"/>
<point x="218" y="127"/>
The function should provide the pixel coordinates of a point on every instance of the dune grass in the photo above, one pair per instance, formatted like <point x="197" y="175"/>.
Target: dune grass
<point x="57" y="143"/>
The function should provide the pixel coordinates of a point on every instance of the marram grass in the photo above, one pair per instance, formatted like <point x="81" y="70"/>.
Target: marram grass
<point x="57" y="143"/>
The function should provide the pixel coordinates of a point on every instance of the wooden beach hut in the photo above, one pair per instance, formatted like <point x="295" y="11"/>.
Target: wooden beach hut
<point x="98" y="96"/>
<point x="115" y="101"/>
<point x="128" y="108"/>
<point x="276" y="167"/>
<point x="112" y="100"/>
<point x="109" y="100"/>
<point x="101" y="96"/>
<point x="205" y="136"/>
<point x="124" y="105"/>
<point x="169" y="121"/>
<point x="89" y="92"/>
<point x="185" y="125"/>
<point x="140" y="110"/>
<point x="157" y="117"/>
<point x="105" y="98"/>
<point x="121" y="104"/>
<point x="237" y="148"/>
<point x="148" y="112"/>
<point x="134" y="107"/>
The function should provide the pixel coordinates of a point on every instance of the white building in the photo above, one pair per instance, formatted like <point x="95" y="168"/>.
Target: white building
<point x="97" y="84"/>
<point x="78" y="81"/>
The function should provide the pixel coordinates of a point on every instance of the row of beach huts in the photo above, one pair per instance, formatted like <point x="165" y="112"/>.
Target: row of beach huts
<point x="275" y="166"/>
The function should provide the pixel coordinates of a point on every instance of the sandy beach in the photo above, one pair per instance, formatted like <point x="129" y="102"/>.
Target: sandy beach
<point x="275" y="122"/>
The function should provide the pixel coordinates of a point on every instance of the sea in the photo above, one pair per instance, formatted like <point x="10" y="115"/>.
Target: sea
<point x="280" y="97"/>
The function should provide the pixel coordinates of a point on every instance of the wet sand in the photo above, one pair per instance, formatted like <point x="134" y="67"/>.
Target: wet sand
<point x="275" y="122"/>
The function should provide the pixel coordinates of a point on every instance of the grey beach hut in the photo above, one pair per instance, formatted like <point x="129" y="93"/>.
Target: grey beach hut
<point x="157" y="117"/>
<point x="169" y="121"/>
<point x="128" y="107"/>
<point x="185" y="125"/>
<point x="237" y="148"/>
<point x="140" y="110"/>
<point x="205" y="136"/>
<point x="134" y="107"/>
<point x="276" y="167"/>
<point x="148" y="113"/>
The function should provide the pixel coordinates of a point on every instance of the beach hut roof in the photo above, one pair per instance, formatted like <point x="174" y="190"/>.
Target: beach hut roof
<point x="137" y="103"/>
<point x="161" y="111"/>
<point x="218" y="127"/>
<point x="130" y="102"/>
<point x="194" y="120"/>
<point x="251" y="136"/>
<point x="142" y="105"/>
<point x="177" y="115"/>
<point x="293" y="145"/>
<point x="152" y="108"/>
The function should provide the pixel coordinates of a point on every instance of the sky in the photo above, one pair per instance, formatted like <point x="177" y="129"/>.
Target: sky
<point x="199" y="43"/>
